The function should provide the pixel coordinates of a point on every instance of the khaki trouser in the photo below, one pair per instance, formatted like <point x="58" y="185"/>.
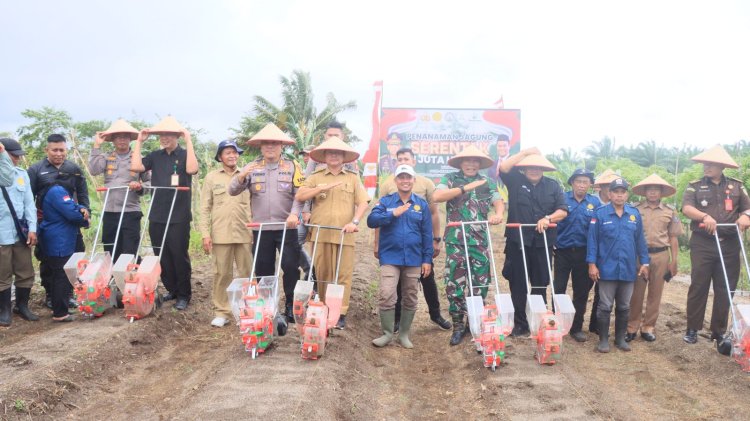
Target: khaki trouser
<point x="225" y="256"/>
<point x="15" y="259"/>
<point x="389" y="278"/>
<point x="325" y="270"/>
<point x="655" y="285"/>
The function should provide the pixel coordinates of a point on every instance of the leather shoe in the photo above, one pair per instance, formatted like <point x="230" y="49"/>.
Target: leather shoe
<point x="441" y="322"/>
<point x="648" y="336"/>
<point x="630" y="336"/>
<point x="579" y="336"/>
<point x="181" y="304"/>
<point x="341" y="325"/>
<point x="290" y="313"/>
<point x="519" y="331"/>
<point x="168" y="296"/>
<point x="691" y="336"/>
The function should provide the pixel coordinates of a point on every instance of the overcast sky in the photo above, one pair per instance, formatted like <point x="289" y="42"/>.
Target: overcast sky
<point x="674" y="72"/>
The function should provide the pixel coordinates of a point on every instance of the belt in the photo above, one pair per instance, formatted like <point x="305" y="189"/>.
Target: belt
<point x="653" y="250"/>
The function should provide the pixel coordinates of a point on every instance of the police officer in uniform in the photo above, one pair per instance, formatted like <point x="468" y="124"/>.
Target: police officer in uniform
<point x="714" y="199"/>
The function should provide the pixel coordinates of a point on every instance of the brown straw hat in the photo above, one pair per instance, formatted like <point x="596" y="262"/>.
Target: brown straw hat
<point x="654" y="180"/>
<point x="334" y="144"/>
<point x="471" y="151"/>
<point x="167" y="125"/>
<point x="120" y="126"/>
<point x="270" y="133"/>
<point x="606" y="177"/>
<point x="536" y="160"/>
<point x="715" y="155"/>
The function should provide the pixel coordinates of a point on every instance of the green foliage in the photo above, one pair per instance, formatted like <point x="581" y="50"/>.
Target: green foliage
<point x="297" y="115"/>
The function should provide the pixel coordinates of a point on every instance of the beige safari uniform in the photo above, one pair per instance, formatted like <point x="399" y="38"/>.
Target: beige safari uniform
<point x="223" y="219"/>
<point x="335" y="208"/>
<point x="660" y="223"/>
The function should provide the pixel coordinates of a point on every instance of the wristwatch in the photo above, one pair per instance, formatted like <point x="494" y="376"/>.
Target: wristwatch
<point x="548" y="217"/>
<point x="355" y="221"/>
<point x="437" y="239"/>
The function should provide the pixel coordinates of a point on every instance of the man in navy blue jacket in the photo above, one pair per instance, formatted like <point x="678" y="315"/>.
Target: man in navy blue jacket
<point x="615" y="247"/>
<point x="405" y="253"/>
<point x="58" y="232"/>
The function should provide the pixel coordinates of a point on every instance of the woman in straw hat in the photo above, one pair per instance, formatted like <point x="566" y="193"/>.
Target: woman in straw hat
<point x="710" y="200"/>
<point x="532" y="199"/>
<point x="662" y="226"/>
<point x="115" y="166"/>
<point x="338" y="199"/>
<point x="273" y="181"/>
<point x="469" y="196"/>
<point x="171" y="166"/>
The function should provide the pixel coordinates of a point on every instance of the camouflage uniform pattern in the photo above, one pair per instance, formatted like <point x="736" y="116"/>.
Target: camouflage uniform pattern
<point x="470" y="206"/>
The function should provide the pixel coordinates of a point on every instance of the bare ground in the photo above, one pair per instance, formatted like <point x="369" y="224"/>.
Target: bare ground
<point x="176" y="366"/>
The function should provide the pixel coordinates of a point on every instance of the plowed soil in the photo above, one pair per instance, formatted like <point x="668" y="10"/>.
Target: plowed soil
<point x="174" y="365"/>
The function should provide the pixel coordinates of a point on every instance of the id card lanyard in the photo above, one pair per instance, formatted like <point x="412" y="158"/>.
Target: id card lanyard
<point x="175" y="176"/>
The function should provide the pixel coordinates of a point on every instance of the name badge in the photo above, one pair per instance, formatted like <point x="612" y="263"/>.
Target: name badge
<point x="175" y="180"/>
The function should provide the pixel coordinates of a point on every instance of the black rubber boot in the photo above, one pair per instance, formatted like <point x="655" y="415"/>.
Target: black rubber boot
<point x="6" y="316"/>
<point x="621" y="329"/>
<point x="603" y="328"/>
<point x="22" y="305"/>
<point x="459" y="330"/>
<point x="289" y="313"/>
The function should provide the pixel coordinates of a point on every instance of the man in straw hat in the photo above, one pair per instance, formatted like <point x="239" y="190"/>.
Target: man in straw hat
<point x="273" y="181"/>
<point x="15" y="244"/>
<point x="713" y="199"/>
<point x="662" y="226"/>
<point x="570" y="249"/>
<point x="116" y="169"/>
<point x="338" y="199"/>
<point x="615" y="247"/>
<point x="469" y="196"/>
<point x="170" y="166"/>
<point x="223" y="225"/>
<point x="425" y="188"/>
<point x="532" y="199"/>
<point x="405" y="253"/>
<point x="601" y="187"/>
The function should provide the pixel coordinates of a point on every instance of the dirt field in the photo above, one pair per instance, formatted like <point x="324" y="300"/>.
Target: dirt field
<point x="176" y="366"/>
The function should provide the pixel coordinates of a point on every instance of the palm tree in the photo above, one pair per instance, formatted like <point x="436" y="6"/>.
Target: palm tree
<point x="298" y="115"/>
<point x="604" y="148"/>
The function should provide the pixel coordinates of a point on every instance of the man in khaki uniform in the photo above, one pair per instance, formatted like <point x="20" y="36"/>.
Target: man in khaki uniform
<point x="338" y="199"/>
<point x="662" y="226"/>
<point x="713" y="199"/>
<point x="223" y="225"/>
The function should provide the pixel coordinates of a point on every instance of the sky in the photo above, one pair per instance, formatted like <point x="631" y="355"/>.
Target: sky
<point x="676" y="72"/>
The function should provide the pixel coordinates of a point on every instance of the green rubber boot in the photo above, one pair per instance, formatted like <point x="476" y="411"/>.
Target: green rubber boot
<point x="407" y="316"/>
<point x="387" y="318"/>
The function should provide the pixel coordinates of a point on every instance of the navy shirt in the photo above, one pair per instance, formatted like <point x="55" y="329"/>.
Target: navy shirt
<point x="162" y="165"/>
<point x="573" y="231"/>
<point x="62" y="217"/>
<point x="615" y="242"/>
<point x="528" y="203"/>
<point x="405" y="240"/>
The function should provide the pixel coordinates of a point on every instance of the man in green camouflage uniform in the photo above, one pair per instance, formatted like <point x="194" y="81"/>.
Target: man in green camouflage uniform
<point x="469" y="196"/>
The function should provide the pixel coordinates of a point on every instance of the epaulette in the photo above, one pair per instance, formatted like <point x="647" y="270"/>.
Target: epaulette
<point x="317" y="170"/>
<point x="695" y="181"/>
<point x="670" y="206"/>
<point x="735" y="179"/>
<point x="636" y="204"/>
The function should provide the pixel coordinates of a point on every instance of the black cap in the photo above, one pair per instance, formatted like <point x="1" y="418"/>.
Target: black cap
<point x="12" y="146"/>
<point x="619" y="183"/>
<point x="581" y="172"/>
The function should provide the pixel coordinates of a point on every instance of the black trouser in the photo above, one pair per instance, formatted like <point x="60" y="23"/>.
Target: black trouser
<point x="130" y="233"/>
<point x="45" y="271"/>
<point x="429" y="288"/>
<point x="513" y="270"/>
<point x="265" y="260"/>
<point x="175" y="260"/>
<point x="60" y="287"/>
<point x="573" y="261"/>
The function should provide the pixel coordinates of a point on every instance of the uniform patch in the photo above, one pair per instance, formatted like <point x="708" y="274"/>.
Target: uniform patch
<point x="589" y="206"/>
<point x="20" y="181"/>
<point x="632" y="218"/>
<point x="690" y="189"/>
<point x="593" y="220"/>
<point x="417" y="208"/>
<point x="66" y="199"/>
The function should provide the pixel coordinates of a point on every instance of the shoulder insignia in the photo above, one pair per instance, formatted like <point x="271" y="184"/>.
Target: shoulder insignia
<point x="734" y="179"/>
<point x="317" y="170"/>
<point x="670" y="206"/>
<point x="690" y="188"/>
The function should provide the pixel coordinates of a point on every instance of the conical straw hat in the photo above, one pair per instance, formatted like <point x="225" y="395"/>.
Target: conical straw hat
<point x="536" y="160"/>
<point x="606" y="177"/>
<point x="716" y="155"/>
<point x="120" y="126"/>
<point x="272" y="133"/>
<point x="168" y="125"/>
<point x="334" y="144"/>
<point x="471" y="151"/>
<point x="654" y="180"/>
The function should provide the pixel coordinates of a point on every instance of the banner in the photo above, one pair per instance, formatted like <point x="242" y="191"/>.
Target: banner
<point x="435" y="135"/>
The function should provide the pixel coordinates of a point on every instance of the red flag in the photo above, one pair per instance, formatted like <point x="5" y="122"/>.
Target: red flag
<point x="500" y="103"/>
